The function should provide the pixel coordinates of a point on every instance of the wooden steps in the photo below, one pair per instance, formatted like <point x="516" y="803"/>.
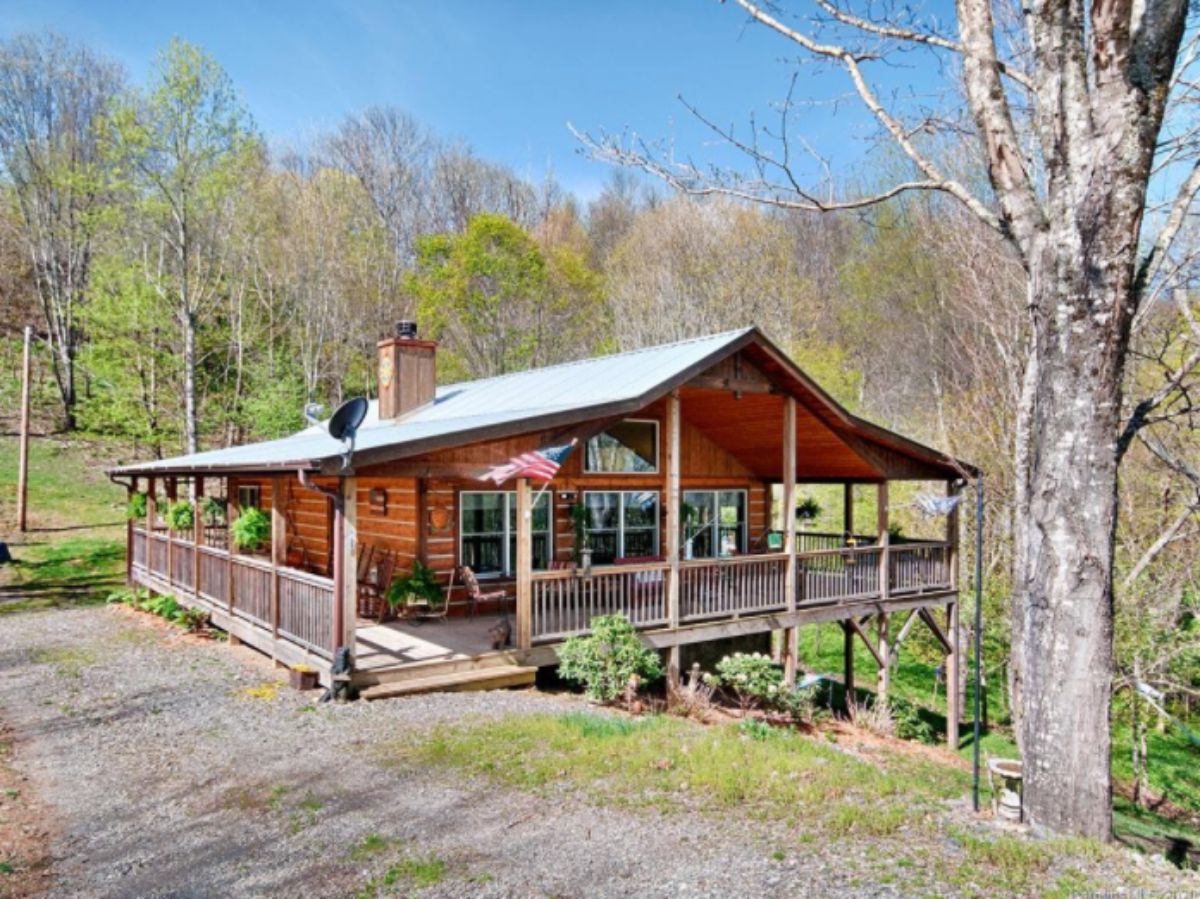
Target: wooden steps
<point x="492" y="677"/>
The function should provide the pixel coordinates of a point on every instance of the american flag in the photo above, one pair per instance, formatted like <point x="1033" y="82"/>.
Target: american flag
<point x="541" y="465"/>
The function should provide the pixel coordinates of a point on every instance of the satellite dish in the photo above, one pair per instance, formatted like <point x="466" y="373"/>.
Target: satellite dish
<point x="343" y="425"/>
<point x="347" y="419"/>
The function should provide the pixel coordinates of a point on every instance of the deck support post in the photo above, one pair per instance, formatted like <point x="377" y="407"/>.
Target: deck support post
<point x="791" y="642"/>
<point x="953" y="658"/>
<point x="524" y="565"/>
<point x="674" y="526"/>
<point x="885" y="568"/>
<point x="848" y="665"/>
<point x="278" y="546"/>
<point x="197" y="532"/>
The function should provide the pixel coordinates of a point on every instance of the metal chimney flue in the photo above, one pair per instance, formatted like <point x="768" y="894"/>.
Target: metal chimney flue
<point x="406" y="329"/>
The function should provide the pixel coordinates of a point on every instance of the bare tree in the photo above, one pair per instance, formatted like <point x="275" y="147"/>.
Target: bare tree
<point x="1068" y="102"/>
<point x="51" y="95"/>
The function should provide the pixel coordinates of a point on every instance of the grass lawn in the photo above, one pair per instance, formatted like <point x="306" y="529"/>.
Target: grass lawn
<point x="820" y="793"/>
<point x="74" y="549"/>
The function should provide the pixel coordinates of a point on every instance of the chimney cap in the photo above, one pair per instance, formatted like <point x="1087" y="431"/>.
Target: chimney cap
<point x="406" y="329"/>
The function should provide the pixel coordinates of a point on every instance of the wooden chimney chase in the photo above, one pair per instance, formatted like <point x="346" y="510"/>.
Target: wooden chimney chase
<point x="407" y="372"/>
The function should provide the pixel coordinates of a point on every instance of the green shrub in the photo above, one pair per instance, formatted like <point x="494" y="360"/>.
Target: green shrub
<point x="754" y="679"/>
<point x="164" y="607"/>
<point x="420" y="586"/>
<point x="909" y="723"/>
<point x="251" y="529"/>
<point x="180" y="516"/>
<point x="605" y="661"/>
<point x="138" y="506"/>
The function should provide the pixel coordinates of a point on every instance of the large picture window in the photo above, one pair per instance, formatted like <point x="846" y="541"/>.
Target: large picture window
<point x="714" y="523"/>
<point x="622" y="524"/>
<point x="628" y="447"/>
<point x="488" y="532"/>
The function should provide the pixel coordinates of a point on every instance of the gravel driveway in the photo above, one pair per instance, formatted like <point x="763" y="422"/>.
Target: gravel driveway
<point x="170" y="771"/>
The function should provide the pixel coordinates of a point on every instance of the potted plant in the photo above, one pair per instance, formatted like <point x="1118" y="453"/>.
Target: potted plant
<point x="421" y="587"/>
<point x="137" y="507"/>
<point x="808" y="510"/>
<point x="180" y="516"/>
<point x="251" y="529"/>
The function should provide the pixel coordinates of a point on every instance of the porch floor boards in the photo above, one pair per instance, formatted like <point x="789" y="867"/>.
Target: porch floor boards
<point x="403" y="643"/>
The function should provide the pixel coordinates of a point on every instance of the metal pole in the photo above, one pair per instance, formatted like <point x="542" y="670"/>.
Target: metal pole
<point x="978" y="629"/>
<point x="23" y="463"/>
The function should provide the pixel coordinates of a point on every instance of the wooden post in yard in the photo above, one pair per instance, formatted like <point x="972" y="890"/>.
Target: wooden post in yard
<point x="23" y="440"/>
<point x="197" y="532"/>
<point x="278" y="546"/>
<point x="952" y="658"/>
<point x="791" y="641"/>
<point x="673" y="529"/>
<point x="881" y="515"/>
<point x="524" y="565"/>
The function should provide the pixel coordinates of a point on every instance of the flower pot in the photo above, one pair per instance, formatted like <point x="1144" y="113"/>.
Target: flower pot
<point x="1006" y="794"/>
<point x="302" y="679"/>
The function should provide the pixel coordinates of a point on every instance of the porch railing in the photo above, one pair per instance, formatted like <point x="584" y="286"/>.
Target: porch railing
<point x="292" y="605"/>
<point x="564" y="602"/>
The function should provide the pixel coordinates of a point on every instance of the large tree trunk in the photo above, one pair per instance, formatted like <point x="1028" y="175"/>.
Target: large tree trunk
<point x="1065" y="538"/>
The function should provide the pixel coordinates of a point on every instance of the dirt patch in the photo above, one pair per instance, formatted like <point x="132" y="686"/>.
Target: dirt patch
<point x="26" y="830"/>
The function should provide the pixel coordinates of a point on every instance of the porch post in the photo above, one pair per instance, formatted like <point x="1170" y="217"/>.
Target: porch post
<point x="133" y="482"/>
<point x="881" y="514"/>
<point x="151" y="514"/>
<point x="172" y="492"/>
<point x="231" y="512"/>
<point x="673" y="528"/>
<point x="848" y="508"/>
<point x="524" y="565"/>
<point x="952" y="658"/>
<point x="791" y="648"/>
<point x="197" y="533"/>
<point x="346" y="599"/>
<point x="278" y="546"/>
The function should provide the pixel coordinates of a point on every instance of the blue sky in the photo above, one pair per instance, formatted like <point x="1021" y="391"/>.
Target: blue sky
<point x="506" y="77"/>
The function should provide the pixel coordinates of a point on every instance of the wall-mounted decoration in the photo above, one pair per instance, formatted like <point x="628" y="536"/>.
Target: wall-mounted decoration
<point x="378" y="497"/>
<point x="439" y="521"/>
<point x="568" y="496"/>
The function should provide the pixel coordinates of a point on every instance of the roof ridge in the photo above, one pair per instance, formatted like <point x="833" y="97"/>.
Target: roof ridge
<point x="645" y="349"/>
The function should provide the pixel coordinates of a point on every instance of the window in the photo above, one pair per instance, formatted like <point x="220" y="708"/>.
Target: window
<point x="622" y="524"/>
<point x="714" y="523"/>
<point x="488" y="532"/>
<point x="250" y="497"/>
<point x="630" y="447"/>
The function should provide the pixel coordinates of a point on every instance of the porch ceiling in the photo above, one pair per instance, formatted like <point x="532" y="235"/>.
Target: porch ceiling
<point x="750" y="429"/>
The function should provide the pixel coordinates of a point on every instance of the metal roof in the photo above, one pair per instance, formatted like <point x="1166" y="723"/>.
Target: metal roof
<point x="459" y="412"/>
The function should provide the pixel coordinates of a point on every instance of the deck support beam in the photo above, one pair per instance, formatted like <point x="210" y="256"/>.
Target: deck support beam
<point x="848" y="665"/>
<point x="347" y="598"/>
<point x="674" y="526"/>
<point x="524" y="565"/>
<point x="791" y="642"/>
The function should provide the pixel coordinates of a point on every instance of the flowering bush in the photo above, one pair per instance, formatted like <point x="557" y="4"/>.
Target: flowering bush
<point x="608" y="659"/>
<point x="754" y="679"/>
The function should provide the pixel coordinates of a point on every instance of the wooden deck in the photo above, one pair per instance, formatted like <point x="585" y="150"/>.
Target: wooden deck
<point x="288" y="614"/>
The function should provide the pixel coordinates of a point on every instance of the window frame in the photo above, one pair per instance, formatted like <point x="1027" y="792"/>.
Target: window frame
<point x="252" y="489"/>
<point x="657" y="452"/>
<point x="620" y="529"/>
<point x="508" y="535"/>
<point x="714" y="527"/>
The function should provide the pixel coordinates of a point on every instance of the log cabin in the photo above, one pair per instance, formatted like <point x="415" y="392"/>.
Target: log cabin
<point x="676" y="507"/>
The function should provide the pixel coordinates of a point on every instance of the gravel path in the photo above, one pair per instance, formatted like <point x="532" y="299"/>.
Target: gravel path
<point x="167" y="778"/>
